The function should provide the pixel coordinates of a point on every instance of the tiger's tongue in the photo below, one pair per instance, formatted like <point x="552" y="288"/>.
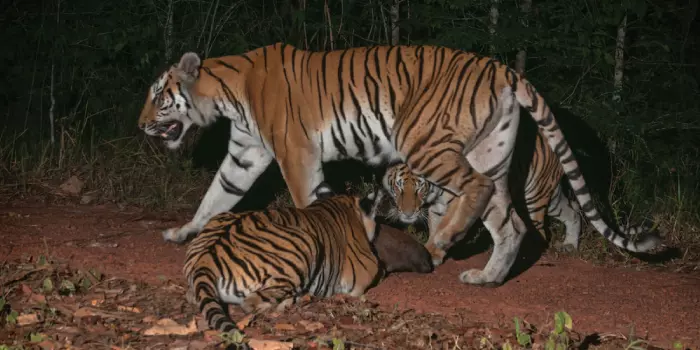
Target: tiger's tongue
<point x="170" y="128"/>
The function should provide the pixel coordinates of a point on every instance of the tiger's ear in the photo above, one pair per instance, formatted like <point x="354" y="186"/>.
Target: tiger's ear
<point x="370" y="203"/>
<point x="188" y="67"/>
<point x="323" y="191"/>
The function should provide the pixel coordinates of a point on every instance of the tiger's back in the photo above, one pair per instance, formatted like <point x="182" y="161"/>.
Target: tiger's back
<point x="263" y="258"/>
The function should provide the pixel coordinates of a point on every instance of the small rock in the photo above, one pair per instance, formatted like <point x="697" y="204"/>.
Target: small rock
<point x="87" y="199"/>
<point x="72" y="186"/>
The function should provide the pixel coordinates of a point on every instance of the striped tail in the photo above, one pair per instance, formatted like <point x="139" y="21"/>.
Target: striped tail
<point x="529" y="98"/>
<point x="215" y="312"/>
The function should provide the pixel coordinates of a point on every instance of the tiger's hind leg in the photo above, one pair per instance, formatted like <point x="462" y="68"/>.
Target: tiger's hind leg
<point x="279" y="296"/>
<point x="507" y="231"/>
<point x="566" y="211"/>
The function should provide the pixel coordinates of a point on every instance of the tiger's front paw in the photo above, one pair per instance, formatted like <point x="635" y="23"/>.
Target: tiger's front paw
<point x="179" y="234"/>
<point x="437" y="254"/>
<point x="478" y="278"/>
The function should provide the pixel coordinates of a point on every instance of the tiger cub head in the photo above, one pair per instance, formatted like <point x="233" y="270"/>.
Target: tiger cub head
<point x="396" y="250"/>
<point x="409" y="192"/>
<point x="169" y="110"/>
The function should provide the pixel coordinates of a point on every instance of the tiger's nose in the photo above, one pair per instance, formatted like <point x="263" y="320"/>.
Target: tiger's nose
<point x="142" y="125"/>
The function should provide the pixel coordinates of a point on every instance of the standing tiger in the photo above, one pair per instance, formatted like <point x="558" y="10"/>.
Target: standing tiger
<point x="543" y="195"/>
<point x="451" y="116"/>
<point x="261" y="259"/>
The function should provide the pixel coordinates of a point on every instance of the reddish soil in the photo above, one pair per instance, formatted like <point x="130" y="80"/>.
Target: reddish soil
<point x="664" y="306"/>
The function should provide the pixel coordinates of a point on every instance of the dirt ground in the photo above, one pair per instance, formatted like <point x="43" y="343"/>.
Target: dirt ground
<point x="123" y="249"/>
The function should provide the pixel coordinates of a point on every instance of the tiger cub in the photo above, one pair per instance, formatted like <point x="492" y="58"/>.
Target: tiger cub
<point x="264" y="259"/>
<point x="543" y="195"/>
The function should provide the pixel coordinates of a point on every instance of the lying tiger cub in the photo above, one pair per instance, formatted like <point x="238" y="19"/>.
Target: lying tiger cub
<point x="261" y="259"/>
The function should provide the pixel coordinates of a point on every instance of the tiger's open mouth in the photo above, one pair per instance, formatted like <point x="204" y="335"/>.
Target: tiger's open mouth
<point x="170" y="131"/>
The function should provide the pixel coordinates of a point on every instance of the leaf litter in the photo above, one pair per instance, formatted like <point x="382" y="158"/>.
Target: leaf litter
<point x="50" y="305"/>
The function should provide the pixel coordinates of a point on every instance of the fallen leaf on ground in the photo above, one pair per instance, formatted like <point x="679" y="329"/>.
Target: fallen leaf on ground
<point x="26" y="290"/>
<point x="38" y="298"/>
<point x="284" y="327"/>
<point x="198" y="345"/>
<point x="133" y="309"/>
<point x="211" y="336"/>
<point x="244" y="322"/>
<point x="269" y="345"/>
<point x="311" y="326"/>
<point x="26" y="319"/>
<point x="167" y="326"/>
<point x="46" y="345"/>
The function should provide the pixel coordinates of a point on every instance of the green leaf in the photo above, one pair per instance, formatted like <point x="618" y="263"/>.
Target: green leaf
<point x="35" y="338"/>
<point x="338" y="344"/>
<point x="562" y="321"/>
<point x="11" y="318"/>
<point x="67" y="287"/>
<point x="47" y="285"/>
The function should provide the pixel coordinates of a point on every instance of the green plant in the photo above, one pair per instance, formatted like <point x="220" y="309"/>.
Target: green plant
<point x="233" y="338"/>
<point x="559" y="336"/>
<point x="338" y="344"/>
<point x="524" y="339"/>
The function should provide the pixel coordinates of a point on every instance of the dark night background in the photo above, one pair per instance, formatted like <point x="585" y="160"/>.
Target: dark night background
<point x="89" y="64"/>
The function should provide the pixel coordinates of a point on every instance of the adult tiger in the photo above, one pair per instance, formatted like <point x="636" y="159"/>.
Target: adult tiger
<point x="451" y="116"/>
<point x="261" y="259"/>
<point x="543" y="195"/>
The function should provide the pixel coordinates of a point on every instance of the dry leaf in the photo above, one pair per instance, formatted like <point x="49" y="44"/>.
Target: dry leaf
<point x="269" y="345"/>
<point x="311" y="326"/>
<point x="149" y="319"/>
<point x="46" y="345"/>
<point x="38" y="298"/>
<point x="26" y="319"/>
<point x="26" y="290"/>
<point x="244" y="322"/>
<point x="167" y="326"/>
<point x="133" y="309"/>
<point x="179" y="344"/>
<point x="198" y="345"/>
<point x="284" y="327"/>
<point x="83" y="312"/>
<point x="211" y="336"/>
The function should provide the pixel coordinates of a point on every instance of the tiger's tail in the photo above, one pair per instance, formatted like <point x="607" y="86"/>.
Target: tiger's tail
<point x="529" y="98"/>
<point x="215" y="312"/>
<point x="202" y="277"/>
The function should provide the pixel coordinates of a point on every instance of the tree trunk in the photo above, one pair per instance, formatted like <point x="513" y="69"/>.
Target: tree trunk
<point x="52" y="108"/>
<point x="492" y="24"/>
<point x="168" y="31"/>
<point x="619" y="60"/>
<point x="521" y="56"/>
<point x="394" y="17"/>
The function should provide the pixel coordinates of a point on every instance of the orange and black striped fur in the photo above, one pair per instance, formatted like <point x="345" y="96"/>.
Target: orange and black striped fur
<point x="451" y="116"/>
<point x="544" y="195"/>
<point x="261" y="259"/>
